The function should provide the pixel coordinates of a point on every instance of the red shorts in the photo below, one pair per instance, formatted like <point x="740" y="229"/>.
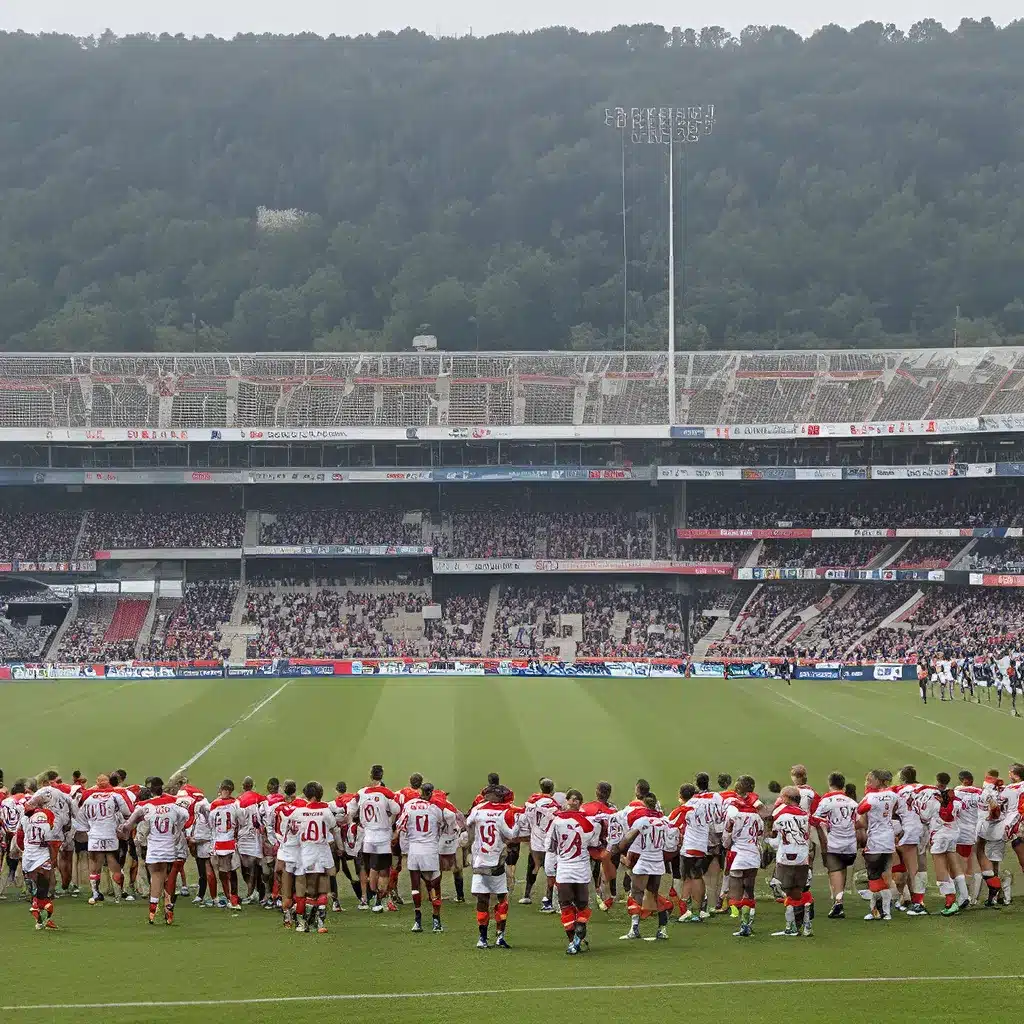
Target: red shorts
<point x="964" y="850"/>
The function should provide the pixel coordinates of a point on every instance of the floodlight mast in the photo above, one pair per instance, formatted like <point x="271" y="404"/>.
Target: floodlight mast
<point x="663" y="126"/>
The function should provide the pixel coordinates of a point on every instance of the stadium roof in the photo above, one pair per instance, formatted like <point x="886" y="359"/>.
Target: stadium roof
<point x="47" y="390"/>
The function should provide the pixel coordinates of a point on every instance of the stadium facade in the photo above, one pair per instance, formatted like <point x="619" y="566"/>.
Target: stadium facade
<point x="128" y="478"/>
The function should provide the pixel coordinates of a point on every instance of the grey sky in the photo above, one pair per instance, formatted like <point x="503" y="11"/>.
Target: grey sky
<point x="458" y="17"/>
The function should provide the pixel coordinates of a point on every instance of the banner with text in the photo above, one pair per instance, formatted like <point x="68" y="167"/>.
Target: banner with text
<point x="340" y="550"/>
<point x="454" y="566"/>
<point x="864" y="533"/>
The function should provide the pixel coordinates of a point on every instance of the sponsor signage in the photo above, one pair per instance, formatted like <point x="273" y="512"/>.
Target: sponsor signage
<point x="807" y="533"/>
<point x="455" y="566"/>
<point x="340" y="550"/>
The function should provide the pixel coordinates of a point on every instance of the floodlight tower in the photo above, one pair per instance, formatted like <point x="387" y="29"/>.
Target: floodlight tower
<point x="665" y="126"/>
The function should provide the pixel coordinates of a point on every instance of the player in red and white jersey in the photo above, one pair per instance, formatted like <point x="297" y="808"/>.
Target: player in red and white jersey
<point x="876" y="814"/>
<point x="602" y="812"/>
<point x="645" y="839"/>
<point x="969" y="796"/>
<point x="572" y="837"/>
<point x="342" y="809"/>
<point x="289" y="852"/>
<point x="1013" y="794"/>
<point x="422" y="823"/>
<point x="940" y="809"/>
<point x="319" y="835"/>
<point x="378" y="810"/>
<point x="790" y="836"/>
<point x="744" y="830"/>
<point x="714" y="861"/>
<point x="224" y="818"/>
<point x="538" y="813"/>
<point x="399" y="843"/>
<point x="453" y="831"/>
<point x="55" y="795"/>
<point x="198" y="837"/>
<point x="37" y="836"/>
<point x="103" y="810"/>
<point x="808" y="797"/>
<point x="694" y="818"/>
<point x="834" y="819"/>
<point x="251" y="805"/>
<point x="492" y="824"/>
<point x="166" y="819"/>
<point x="992" y="835"/>
<point x="12" y="813"/>
<point x="911" y="840"/>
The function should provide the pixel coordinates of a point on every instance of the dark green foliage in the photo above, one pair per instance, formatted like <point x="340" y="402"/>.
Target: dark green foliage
<point x="858" y="187"/>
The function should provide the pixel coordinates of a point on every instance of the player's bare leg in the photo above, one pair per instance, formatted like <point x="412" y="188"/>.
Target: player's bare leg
<point x="301" y="924"/>
<point x="483" y="919"/>
<point x="287" y="900"/>
<point x="42" y="900"/>
<point x="417" y="900"/>
<point x="741" y="896"/>
<point x="533" y="869"/>
<point x="435" y="902"/>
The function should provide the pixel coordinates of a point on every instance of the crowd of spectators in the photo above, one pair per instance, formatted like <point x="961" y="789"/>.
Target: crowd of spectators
<point x="85" y="639"/>
<point x="994" y="556"/>
<point x="327" y="622"/>
<point x="32" y="536"/>
<point x="839" y="507"/>
<point x="509" y="534"/>
<point x="341" y="526"/>
<point x="459" y="632"/>
<point x="618" y="621"/>
<point x="704" y="552"/>
<point x="840" y="626"/>
<point x="928" y="553"/>
<point x="761" y="627"/>
<point x="192" y="632"/>
<point x="163" y="529"/>
<point x="842" y="554"/>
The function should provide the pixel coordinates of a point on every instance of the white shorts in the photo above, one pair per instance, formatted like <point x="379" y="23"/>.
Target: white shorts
<point x="943" y="842"/>
<point x="403" y="843"/>
<point x="204" y="849"/>
<point x="745" y="861"/>
<point x="377" y="847"/>
<point x="649" y="867"/>
<point x="550" y="864"/>
<point x="251" y="846"/>
<point x="495" y="885"/>
<point x="102" y="844"/>
<point x="543" y="848"/>
<point x="448" y="846"/>
<point x="912" y="836"/>
<point x="317" y="861"/>
<point x="426" y="863"/>
<point x="572" y="874"/>
<point x="35" y="857"/>
<point x="160" y="855"/>
<point x="995" y="849"/>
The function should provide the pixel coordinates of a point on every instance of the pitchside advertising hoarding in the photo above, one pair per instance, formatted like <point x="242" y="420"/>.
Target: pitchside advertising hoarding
<point x="1003" y="423"/>
<point x="300" y="668"/>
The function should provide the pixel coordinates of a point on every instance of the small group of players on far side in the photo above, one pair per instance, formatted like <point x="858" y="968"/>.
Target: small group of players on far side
<point x="701" y="858"/>
<point x="1000" y="673"/>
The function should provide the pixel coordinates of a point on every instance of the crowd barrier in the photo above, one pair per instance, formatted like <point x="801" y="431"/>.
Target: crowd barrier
<point x="294" y="668"/>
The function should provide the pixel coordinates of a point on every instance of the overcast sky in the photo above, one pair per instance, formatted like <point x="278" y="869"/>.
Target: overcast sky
<point x="459" y="17"/>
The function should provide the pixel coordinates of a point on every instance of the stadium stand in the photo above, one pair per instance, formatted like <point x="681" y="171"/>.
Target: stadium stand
<point x="163" y="529"/>
<point x="341" y="526"/>
<point x="420" y="389"/>
<point x="191" y="627"/>
<point x="38" y="536"/>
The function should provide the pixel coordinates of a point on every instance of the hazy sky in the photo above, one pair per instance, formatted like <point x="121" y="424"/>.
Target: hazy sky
<point x="458" y="17"/>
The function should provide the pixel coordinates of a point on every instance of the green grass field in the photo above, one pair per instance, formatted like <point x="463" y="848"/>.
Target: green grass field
<point x="454" y="731"/>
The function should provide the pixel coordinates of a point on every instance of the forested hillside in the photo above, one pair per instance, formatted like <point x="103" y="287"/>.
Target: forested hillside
<point x="857" y="188"/>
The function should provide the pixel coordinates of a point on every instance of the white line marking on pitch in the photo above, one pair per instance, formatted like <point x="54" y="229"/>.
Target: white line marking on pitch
<point x="964" y="736"/>
<point x="811" y="711"/>
<point x="216" y="739"/>
<point x="539" y="990"/>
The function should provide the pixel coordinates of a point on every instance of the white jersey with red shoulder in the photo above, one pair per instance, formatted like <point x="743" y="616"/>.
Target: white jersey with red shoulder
<point x="538" y="813"/>
<point x="422" y="822"/>
<point x="492" y="826"/>
<point x="224" y="819"/>
<point x="792" y="826"/>
<point x="744" y="831"/>
<point x="836" y="813"/>
<point x="652" y="829"/>
<point x="103" y="809"/>
<point x="166" y="819"/>
<point x="571" y="837"/>
<point x="880" y="808"/>
<point x="378" y="810"/>
<point x="37" y="831"/>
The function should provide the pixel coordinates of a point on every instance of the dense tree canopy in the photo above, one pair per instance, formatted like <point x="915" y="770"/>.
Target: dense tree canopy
<point x="859" y="188"/>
